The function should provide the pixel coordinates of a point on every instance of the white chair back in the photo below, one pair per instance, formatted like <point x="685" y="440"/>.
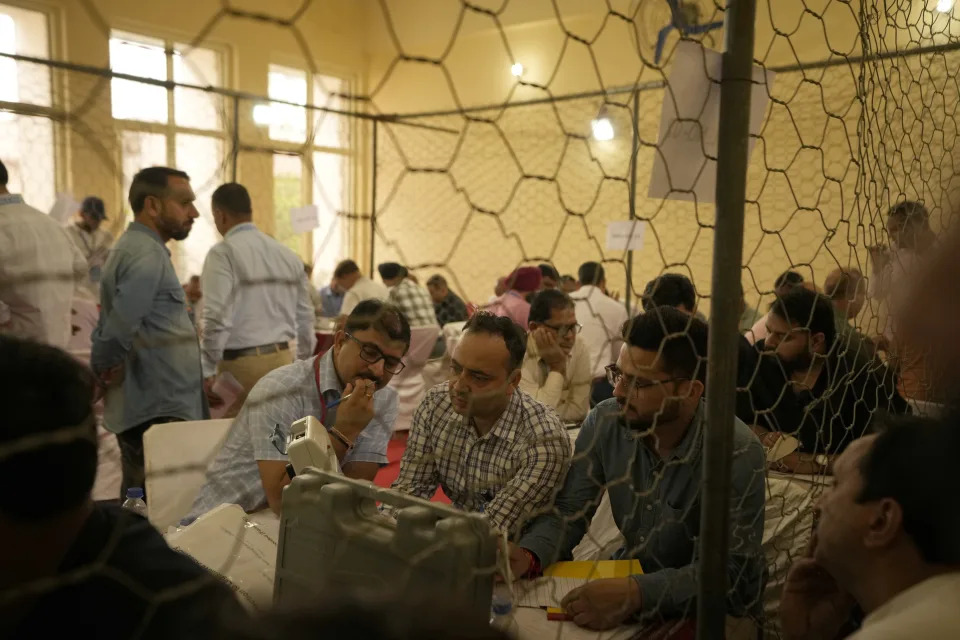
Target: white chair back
<point x="409" y="383"/>
<point x="176" y="455"/>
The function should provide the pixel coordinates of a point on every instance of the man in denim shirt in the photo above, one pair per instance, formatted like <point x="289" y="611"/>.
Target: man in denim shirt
<point x="145" y="348"/>
<point x="645" y="447"/>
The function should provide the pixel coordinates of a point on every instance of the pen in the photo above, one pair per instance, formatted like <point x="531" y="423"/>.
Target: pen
<point x="338" y="401"/>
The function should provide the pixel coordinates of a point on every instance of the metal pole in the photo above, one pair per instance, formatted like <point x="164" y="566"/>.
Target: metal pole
<point x="373" y="200"/>
<point x="732" y="158"/>
<point x="235" y="154"/>
<point x="634" y="149"/>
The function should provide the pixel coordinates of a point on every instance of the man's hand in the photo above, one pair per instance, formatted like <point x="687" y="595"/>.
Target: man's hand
<point x="212" y="398"/>
<point x="812" y="605"/>
<point x="550" y="351"/>
<point x="356" y="412"/>
<point x="879" y="257"/>
<point x="519" y="561"/>
<point x="603" y="604"/>
<point x="111" y="377"/>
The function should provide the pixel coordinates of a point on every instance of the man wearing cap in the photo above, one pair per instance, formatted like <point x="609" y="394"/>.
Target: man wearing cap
<point x="92" y="241"/>
<point x="513" y="304"/>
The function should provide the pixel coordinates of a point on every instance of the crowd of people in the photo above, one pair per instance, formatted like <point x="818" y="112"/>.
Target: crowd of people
<point x="815" y="395"/>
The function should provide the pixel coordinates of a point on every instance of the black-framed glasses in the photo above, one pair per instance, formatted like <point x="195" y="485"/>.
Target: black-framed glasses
<point x="371" y="354"/>
<point x="614" y="376"/>
<point x="565" y="329"/>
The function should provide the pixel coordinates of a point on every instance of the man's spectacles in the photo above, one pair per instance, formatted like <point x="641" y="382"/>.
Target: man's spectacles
<point x="371" y="353"/>
<point x="614" y="376"/>
<point x="565" y="329"/>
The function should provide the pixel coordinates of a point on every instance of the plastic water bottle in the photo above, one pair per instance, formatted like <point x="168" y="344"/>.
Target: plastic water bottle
<point x="134" y="501"/>
<point x="501" y="607"/>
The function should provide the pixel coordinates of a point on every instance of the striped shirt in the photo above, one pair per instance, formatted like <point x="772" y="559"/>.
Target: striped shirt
<point x="509" y="474"/>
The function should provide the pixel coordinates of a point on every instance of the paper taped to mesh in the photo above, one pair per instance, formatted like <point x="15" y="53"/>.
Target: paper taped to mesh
<point x="230" y="544"/>
<point x="684" y="165"/>
<point x="625" y="234"/>
<point x="303" y="219"/>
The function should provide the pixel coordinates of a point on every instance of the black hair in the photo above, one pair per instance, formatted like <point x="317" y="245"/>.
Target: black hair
<point x="514" y="336"/>
<point x="547" y="271"/>
<point x="670" y="290"/>
<point x="233" y="198"/>
<point x="890" y="469"/>
<point x="382" y="317"/>
<point x="909" y="210"/>
<point x="680" y="338"/>
<point x="544" y="302"/>
<point x="48" y="431"/>
<point x="345" y="268"/>
<point x="788" y="278"/>
<point x="4" y="176"/>
<point x="437" y="280"/>
<point x="591" y="273"/>
<point x="152" y="181"/>
<point x="804" y="308"/>
<point x="391" y="270"/>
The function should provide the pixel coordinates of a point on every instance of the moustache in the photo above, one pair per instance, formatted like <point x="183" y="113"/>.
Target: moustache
<point x="366" y="375"/>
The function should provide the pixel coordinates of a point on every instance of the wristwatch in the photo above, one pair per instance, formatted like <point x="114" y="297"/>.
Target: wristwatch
<point x="822" y="460"/>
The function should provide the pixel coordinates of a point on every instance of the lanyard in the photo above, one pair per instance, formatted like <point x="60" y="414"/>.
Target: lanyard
<point x="323" y="403"/>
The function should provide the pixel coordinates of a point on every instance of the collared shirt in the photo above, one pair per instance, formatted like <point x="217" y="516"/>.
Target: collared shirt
<point x="279" y="399"/>
<point x="508" y="474"/>
<point x="255" y="292"/>
<point x="330" y="302"/>
<point x="601" y="318"/>
<point x="569" y="393"/>
<point x="363" y="289"/>
<point x="656" y="505"/>
<point x="39" y="272"/>
<point x="415" y="302"/>
<point x="95" y="247"/>
<point x="144" y="326"/>
<point x="929" y="610"/>
<point x="450" y="309"/>
<point x="511" y="305"/>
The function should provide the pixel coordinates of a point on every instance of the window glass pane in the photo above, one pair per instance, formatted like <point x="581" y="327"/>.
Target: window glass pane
<point x="192" y="108"/>
<point x="287" y="122"/>
<point x="330" y="129"/>
<point x="287" y="194"/>
<point x="202" y="158"/>
<point x="139" y="150"/>
<point x="144" y="57"/>
<point x="28" y="155"/>
<point x="328" y="189"/>
<point x="25" y="32"/>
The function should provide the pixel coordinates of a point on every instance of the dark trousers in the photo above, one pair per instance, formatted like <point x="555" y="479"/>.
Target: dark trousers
<point x="131" y="456"/>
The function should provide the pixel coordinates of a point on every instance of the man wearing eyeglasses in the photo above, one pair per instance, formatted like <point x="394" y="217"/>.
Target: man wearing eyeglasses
<point x="346" y="389"/>
<point x="556" y="368"/>
<point x="645" y="448"/>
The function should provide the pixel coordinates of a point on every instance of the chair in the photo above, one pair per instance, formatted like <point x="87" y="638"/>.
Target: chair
<point x="409" y="383"/>
<point x="176" y="455"/>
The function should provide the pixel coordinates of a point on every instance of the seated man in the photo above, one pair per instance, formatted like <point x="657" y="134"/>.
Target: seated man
<point x="69" y="561"/>
<point x="447" y="306"/>
<point x="492" y="447"/>
<point x="556" y="367"/>
<point x="827" y="400"/>
<point x="645" y="448"/>
<point x="250" y="469"/>
<point x="847" y="290"/>
<point x="887" y="539"/>
<point x="513" y="303"/>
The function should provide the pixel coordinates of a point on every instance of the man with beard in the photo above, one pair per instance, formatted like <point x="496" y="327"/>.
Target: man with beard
<point x="829" y="396"/>
<point x="145" y="347"/>
<point x="645" y="448"/>
<point x="251" y="468"/>
<point x="493" y="448"/>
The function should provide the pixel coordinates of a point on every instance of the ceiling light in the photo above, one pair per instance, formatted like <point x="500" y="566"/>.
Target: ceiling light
<point x="945" y="6"/>
<point x="516" y="69"/>
<point x="601" y="126"/>
<point x="262" y="115"/>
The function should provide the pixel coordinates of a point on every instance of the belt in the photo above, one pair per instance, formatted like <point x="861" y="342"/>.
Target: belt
<point x="264" y="349"/>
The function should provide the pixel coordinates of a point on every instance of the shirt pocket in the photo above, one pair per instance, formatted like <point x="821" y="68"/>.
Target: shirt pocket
<point x="170" y="306"/>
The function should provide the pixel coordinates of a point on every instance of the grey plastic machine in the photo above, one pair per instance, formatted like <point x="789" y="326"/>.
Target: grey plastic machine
<point x="333" y="537"/>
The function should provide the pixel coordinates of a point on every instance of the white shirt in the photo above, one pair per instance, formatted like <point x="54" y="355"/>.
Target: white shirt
<point x="601" y="317"/>
<point x="255" y="292"/>
<point x="39" y="271"/>
<point x="363" y="289"/>
<point x="95" y="247"/>
<point x="569" y="393"/>
<point x="929" y="610"/>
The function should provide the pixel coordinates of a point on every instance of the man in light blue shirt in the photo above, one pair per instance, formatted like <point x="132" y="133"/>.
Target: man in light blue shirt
<point x="145" y="347"/>
<point x="250" y="468"/>
<point x="256" y="299"/>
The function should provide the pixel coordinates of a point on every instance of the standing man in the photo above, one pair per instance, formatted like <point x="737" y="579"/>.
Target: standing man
<point x="145" y="347"/>
<point x="356" y="287"/>
<point x="556" y="368"/>
<point x="887" y="539"/>
<point x="331" y="300"/>
<point x="549" y="277"/>
<point x="410" y="297"/>
<point x="256" y="299"/>
<point x="602" y="318"/>
<point x="40" y="270"/>
<point x="492" y="448"/>
<point x="92" y="241"/>
<point x="447" y="305"/>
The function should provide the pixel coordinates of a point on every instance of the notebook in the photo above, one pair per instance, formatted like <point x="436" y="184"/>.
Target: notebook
<point x="561" y="578"/>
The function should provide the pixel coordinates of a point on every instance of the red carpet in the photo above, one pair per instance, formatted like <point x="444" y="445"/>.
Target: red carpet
<point x="389" y="473"/>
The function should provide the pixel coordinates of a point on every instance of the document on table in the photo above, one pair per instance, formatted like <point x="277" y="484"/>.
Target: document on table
<point x="561" y="578"/>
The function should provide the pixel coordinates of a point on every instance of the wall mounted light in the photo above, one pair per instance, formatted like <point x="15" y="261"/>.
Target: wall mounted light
<point x="516" y="69"/>
<point x="601" y="126"/>
<point x="945" y="6"/>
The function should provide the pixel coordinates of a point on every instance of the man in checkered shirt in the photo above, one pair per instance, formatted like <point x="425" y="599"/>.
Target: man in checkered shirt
<point x="493" y="448"/>
<point x="413" y="300"/>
